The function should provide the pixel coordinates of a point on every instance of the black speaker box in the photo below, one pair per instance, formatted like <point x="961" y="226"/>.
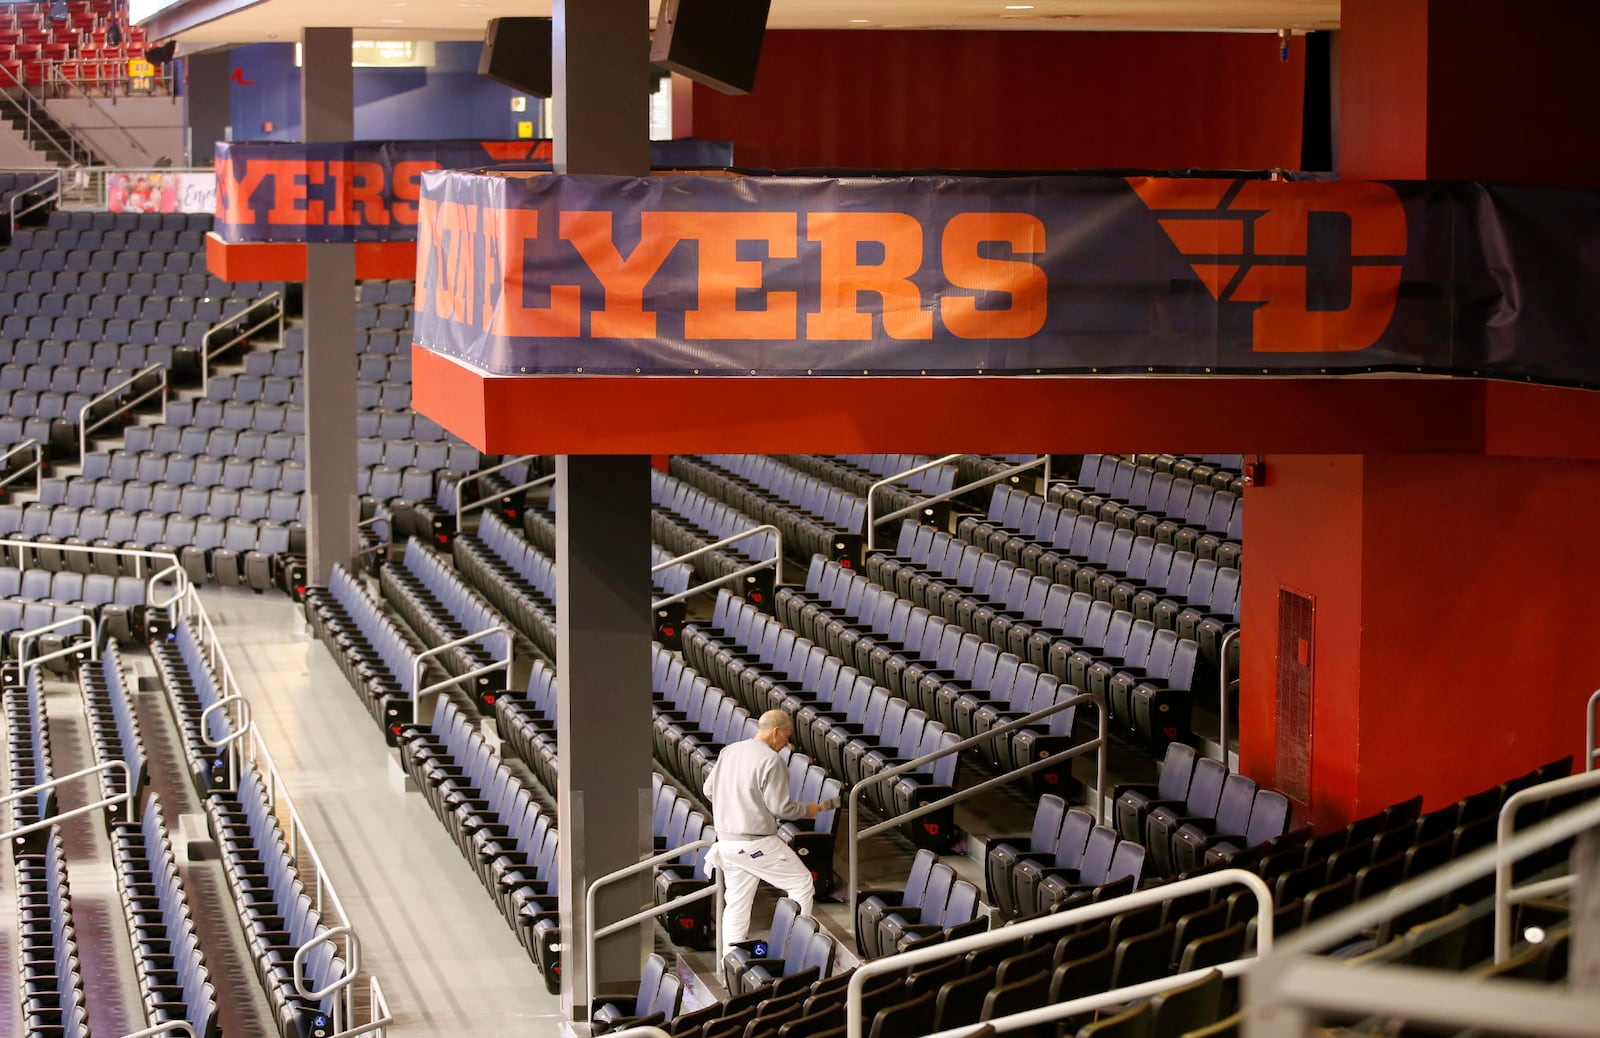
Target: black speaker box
<point x="715" y="42"/>
<point x="516" y="52"/>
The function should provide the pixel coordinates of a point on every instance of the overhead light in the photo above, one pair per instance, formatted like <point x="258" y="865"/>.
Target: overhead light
<point x="393" y="21"/>
<point x="1019" y="7"/>
<point x="861" y="21"/>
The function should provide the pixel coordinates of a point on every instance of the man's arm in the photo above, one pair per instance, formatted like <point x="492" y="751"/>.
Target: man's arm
<point x="775" y="791"/>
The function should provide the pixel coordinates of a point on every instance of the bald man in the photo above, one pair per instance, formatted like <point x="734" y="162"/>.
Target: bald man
<point x="748" y="788"/>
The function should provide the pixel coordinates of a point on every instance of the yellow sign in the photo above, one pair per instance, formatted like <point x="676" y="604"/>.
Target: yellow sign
<point x="525" y="129"/>
<point x="138" y="68"/>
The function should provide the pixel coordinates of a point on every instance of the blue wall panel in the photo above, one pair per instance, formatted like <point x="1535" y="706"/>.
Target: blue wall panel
<point x="448" y="100"/>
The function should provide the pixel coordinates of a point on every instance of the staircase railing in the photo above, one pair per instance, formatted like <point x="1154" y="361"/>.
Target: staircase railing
<point x="87" y="428"/>
<point x="463" y="506"/>
<point x="1506" y="894"/>
<point x="1098" y="745"/>
<point x="208" y="352"/>
<point x="1065" y="920"/>
<point x="775" y="564"/>
<point x="76" y="150"/>
<point x="25" y="447"/>
<point x="874" y="520"/>
<point x="1591" y="718"/>
<point x="1287" y="989"/>
<point x="67" y="86"/>
<point x="28" y="199"/>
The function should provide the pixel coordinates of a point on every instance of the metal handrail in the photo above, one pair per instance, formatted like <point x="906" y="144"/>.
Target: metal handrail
<point x="241" y="725"/>
<point x="19" y="209"/>
<point x="1505" y="894"/>
<point x="180" y="585"/>
<point x="418" y="692"/>
<point x="29" y="638"/>
<point x="352" y="950"/>
<point x="54" y="74"/>
<point x="642" y="1031"/>
<point x="85" y="427"/>
<point x="1063" y="920"/>
<point x="1591" y="755"/>
<point x="1223" y="677"/>
<point x="776" y="562"/>
<point x="591" y="898"/>
<point x="36" y="465"/>
<point x="103" y="802"/>
<point x="73" y="146"/>
<point x="462" y="508"/>
<point x="207" y="352"/>
<point x="1283" y="988"/>
<point x="29" y="550"/>
<point x="1099" y="743"/>
<point x="170" y="1027"/>
<point x="1007" y="473"/>
<point x="386" y="540"/>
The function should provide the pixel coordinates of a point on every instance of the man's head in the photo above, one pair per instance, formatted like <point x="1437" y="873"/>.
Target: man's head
<point x="775" y="729"/>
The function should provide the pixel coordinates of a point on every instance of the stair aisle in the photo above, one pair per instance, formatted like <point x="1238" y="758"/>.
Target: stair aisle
<point x="448" y="963"/>
<point x="245" y="1009"/>
<point x="114" y="1003"/>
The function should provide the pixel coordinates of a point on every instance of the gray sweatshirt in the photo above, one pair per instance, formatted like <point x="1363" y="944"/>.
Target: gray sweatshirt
<point x="748" y="787"/>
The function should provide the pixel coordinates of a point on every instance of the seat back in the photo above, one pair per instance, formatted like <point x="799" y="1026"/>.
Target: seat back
<point x="1205" y="790"/>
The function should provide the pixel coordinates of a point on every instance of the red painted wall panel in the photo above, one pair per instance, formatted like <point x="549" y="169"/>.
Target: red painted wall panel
<point x="1476" y="658"/>
<point x="1383" y="89"/>
<point x="1025" y="100"/>
<point x="1303" y="529"/>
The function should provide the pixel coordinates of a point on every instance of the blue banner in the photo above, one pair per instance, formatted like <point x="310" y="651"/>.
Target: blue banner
<point x="367" y="191"/>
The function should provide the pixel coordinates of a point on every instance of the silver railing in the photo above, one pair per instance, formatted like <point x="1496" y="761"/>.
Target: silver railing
<point x="25" y="447"/>
<point x="25" y="102"/>
<point x="170" y="1027"/>
<point x="28" y="640"/>
<point x="118" y="83"/>
<point x="104" y="803"/>
<point x="592" y="894"/>
<point x="208" y="352"/>
<point x="22" y="203"/>
<point x="462" y="507"/>
<point x="775" y="564"/>
<point x="1064" y="920"/>
<point x="1506" y="893"/>
<point x="1591" y="742"/>
<point x="86" y="427"/>
<point x="1099" y="744"/>
<point x="241" y="725"/>
<point x="1286" y="990"/>
<point x="66" y="86"/>
<point x="29" y="551"/>
<point x="874" y="520"/>
<point x="325" y="902"/>
<point x="422" y="697"/>
<point x="1224" y="678"/>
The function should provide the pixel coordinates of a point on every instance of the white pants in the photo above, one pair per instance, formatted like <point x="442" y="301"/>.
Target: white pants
<point x="744" y="864"/>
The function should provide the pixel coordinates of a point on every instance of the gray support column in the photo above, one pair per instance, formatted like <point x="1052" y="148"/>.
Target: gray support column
<point x="327" y="105"/>
<point x="601" y="72"/>
<point x="603" y="717"/>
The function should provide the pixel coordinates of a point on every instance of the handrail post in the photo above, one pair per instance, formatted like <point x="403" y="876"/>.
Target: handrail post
<point x="418" y="691"/>
<point x="60" y="816"/>
<point x="776" y="562"/>
<point x="1505" y="828"/>
<point x="1060" y="921"/>
<point x="474" y="477"/>
<point x="854" y="834"/>
<point x="951" y="494"/>
<point x="242" y="724"/>
<point x="1223" y="679"/>
<point x="872" y="493"/>
<point x="1592" y="757"/>
<point x="591" y="901"/>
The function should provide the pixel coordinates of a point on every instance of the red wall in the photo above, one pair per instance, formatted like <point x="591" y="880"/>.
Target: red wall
<point x="1491" y="90"/>
<point x="1451" y="644"/>
<point x="1020" y="100"/>
<point x="1383" y="89"/>
<point x="1303" y="529"/>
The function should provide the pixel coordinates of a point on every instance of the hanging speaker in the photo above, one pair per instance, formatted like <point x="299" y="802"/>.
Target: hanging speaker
<point x="516" y="52"/>
<point x="715" y="42"/>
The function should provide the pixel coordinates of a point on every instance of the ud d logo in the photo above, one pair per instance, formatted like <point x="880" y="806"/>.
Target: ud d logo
<point x="1320" y="262"/>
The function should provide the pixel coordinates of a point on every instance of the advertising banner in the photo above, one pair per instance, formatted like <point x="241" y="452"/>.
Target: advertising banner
<point x="158" y="191"/>
<point x="366" y="191"/>
<point x="1024" y="275"/>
